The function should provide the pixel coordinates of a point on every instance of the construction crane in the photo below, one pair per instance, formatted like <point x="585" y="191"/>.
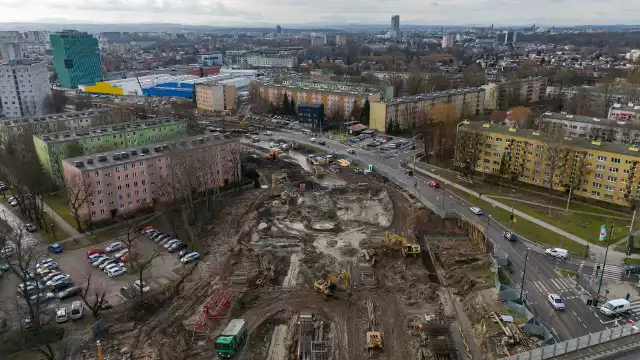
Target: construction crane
<point x="328" y="286"/>
<point x="407" y="247"/>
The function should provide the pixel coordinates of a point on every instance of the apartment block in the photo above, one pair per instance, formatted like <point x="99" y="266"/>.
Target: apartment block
<point x="612" y="169"/>
<point x="76" y="58"/>
<point x="216" y="97"/>
<point x="333" y="100"/>
<point x="125" y="181"/>
<point x="526" y="91"/>
<point x="69" y="121"/>
<point x="385" y="92"/>
<point x="341" y="40"/>
<point x="54" y="147"/>
<point x="405" y="110"/>
<point x="24" y="87"/>
<point x="623" y="132"/>
<point x="629" y="112"/>
<point x="271" y="61"/>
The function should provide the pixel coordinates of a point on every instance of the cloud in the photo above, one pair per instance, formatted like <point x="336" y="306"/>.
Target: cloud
<point x="260" y="12"/>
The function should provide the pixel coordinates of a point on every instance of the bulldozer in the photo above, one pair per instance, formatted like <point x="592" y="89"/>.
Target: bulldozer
<point x="374" y="340"/>
<point x="408" y="249"/>
<point x="328" y="286"/>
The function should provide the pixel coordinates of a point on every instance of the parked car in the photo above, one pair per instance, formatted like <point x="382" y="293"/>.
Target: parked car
<point x="41" y="297"/>
<point x="51" y="276"/>
<point x="46" y="267"/>
<point x="112" y="266"/>
<point x="116" y="272"/>
<point x="61" y="284"/>
<point x="434" y="184"/>
<point x="177" y="247"/>
<point x="144" y="286"/>
<point x="165" y="240"/>
<point x="69" y="292"/>
<point x="62" y="315"/>
<point x="114" y="247"/>
<point x="101" y="261"/>
<point x="351" y="151"/>
<point x="77" y="310"/>
<point x="6" y="252"/>
<point x="184" y="252"/>
<point x="190" y="258"/>
<point x="44" y="261"/>
<point x="556" y="301"/>
<point x="30" y="227"/>
<point x="107" y="263"/>
<point x="57" y="278"/>
<point x="509" y="236"/>
<point x="558" y="253"/>
<point x="94" y="252"/>
<point x="54" y="248"/>
<point x="171" y="243"/>
<point x="95" y="257"/>
<point x="121" y="253"/>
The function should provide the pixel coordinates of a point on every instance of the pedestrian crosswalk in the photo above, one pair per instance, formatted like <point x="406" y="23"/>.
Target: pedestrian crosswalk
<point x="611" y="272"/>
<point x="635" y="306"/>
<point x="557" y="285"/>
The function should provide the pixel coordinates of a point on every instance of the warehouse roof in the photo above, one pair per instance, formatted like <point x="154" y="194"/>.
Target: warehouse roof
<point x="570" y="141"/>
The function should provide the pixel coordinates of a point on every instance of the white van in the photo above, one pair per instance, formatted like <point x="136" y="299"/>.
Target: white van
<point x="77" y="310"/>
<point x="306" y="131"/>
<point x="268" y="133"/>
<point x="615" y="307"/>
<point x="558" y="253"/>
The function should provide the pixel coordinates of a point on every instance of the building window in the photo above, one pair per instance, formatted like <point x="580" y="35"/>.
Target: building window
<point x="141" y="163"/>
<point x="117" y="168"/>
<point x="598" y="176"/>
<point x="101" y="211"/>
<point x="93" y="213"/>
<point x="600" y="167"/>
<point x="121" y="206"/>
<point x="98" y="182"/>
<point x="596" y="185"/>
<point x="602" y="158"/>
<point x="595" y="193"/>
<point x="613" y="170"/>
<point x="130" y="204"/>
<point x="99" y="192"/>
<point x="101" y="202"/>
<point x="119" y="178"/>
<point x="93" y="204"/>
<point x="612" y="178"/>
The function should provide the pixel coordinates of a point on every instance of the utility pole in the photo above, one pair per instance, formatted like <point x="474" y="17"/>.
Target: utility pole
<point x="630" y="245"/>
<point x="524" y="271"/>
<point x="513" y="204"/>
<point x="604" y="263"/>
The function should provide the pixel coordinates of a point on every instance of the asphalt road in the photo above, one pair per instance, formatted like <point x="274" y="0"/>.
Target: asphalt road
<point x="540" y="278"/>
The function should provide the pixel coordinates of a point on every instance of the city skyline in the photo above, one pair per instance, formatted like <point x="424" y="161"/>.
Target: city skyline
<point x="255" y="13"/>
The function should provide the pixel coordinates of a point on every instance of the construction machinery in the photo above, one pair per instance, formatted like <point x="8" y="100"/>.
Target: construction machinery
<point x="230" y="340"/>
<point x="408" y="249"/>
<point x="328" y="286"/>
<point x="374" y="340"/>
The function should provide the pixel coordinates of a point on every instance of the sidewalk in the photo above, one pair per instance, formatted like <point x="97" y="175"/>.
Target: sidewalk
<point x="60" y="222"/>
<point x="612" y="257"/>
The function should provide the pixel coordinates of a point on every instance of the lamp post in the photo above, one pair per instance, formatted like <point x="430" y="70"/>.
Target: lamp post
<point x="513" y="204"/>
<point x="604" y="263"/>
<point x="524" y="271"/>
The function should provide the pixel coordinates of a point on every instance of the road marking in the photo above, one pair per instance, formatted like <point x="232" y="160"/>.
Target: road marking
<point x="574" y="313"/>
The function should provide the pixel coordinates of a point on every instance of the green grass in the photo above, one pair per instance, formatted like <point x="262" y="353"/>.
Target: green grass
<point x="59" y="204"/>
<point x="565" y="272"/>
<point x="584" y="226"/>
<point x="631" y="261"/>
<point x="524" y="228"/>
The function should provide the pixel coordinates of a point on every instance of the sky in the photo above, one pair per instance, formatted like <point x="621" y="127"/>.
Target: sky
<point x="254" y="13"/>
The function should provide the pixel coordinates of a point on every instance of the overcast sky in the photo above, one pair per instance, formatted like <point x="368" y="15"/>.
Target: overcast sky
<point x="269" y="12"/>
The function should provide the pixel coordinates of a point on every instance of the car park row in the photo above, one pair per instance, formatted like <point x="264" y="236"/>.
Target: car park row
<point x="171" y="244"/>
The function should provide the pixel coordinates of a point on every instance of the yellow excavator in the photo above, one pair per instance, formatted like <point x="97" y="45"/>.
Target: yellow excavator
<point x="373" y="340"/>
<point x="408" y="249"/>
<point x="328" y="286"/>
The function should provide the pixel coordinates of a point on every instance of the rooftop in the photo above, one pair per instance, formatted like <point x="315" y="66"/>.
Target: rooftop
<point x="432" y="95"/>
<point x="573" y="141"/>
<point x="151" y="151"/>
<point x="54" y="117"/>
<point x="24" y="62"/>
<point x="591" y="120"/>
<point x="312" y="89"/>
<point x="104" y="130"/>
<point x="631" y="107"/>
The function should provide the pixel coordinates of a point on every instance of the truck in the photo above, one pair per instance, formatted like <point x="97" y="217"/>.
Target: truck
<point x="232" y="338"/>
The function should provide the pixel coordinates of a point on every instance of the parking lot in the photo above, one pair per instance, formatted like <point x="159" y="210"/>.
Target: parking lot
<point x="76" y="265"/>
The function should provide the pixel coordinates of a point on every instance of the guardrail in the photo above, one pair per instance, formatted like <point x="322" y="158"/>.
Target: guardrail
<point x="569" y="346"/>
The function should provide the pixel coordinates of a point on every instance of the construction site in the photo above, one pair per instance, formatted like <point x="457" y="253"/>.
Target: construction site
<point x="299" y="269"/>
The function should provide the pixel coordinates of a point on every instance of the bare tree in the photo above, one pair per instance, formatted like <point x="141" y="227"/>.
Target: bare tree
<point x="93" y="297"/>
<point x="580" y="170"/>
<point x="141" y="265"/>
<point x="469" y="146"/>
<point x="554" y="153"/>
<point x="79" y="192"/>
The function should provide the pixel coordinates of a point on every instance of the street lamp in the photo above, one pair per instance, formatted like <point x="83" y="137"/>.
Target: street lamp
<point x="604" y="263"/>
<point x="524" y="271"/>
<point x="513" y="204"/>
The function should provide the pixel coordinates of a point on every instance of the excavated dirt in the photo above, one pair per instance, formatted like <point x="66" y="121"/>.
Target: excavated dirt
<point x="271" y="245"/>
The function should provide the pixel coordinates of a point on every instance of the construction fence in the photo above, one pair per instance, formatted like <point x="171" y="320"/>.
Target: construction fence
<point x="569" y="346"/>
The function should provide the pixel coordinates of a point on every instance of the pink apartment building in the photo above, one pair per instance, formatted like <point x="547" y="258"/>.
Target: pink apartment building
<point x="122" y="181"/>
<point x="629" y="112"/>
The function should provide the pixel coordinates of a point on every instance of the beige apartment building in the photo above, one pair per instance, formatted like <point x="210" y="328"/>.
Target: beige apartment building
<point x="502" y="95"/>
<point x="331" y="99"/>
<point x="216" y="97"/>
<point x="405" y="110"/>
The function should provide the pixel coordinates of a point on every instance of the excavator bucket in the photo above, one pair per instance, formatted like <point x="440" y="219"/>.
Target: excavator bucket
<point x="374" y="340"/>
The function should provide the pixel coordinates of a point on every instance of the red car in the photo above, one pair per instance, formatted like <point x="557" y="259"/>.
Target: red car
<point x="94" y="251"/>
<point x="434" y="184"/>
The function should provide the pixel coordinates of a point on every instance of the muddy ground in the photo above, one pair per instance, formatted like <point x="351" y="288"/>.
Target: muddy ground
<point x="271" y="245"/>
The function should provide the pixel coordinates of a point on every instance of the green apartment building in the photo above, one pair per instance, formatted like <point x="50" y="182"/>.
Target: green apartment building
<point x="53" y="148"/>
<point x="76" y="58"/>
